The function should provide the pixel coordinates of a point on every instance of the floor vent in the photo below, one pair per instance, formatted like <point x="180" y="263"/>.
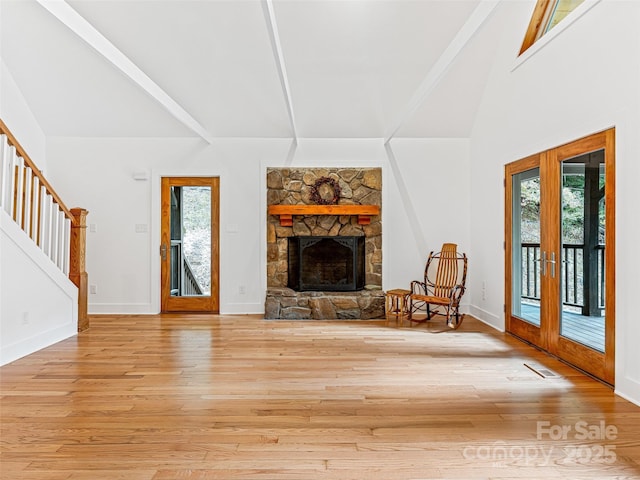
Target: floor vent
<point x="542" y="371"/>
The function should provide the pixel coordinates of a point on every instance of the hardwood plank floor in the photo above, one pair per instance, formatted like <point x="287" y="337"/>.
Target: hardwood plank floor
<point x="224" y="397"/>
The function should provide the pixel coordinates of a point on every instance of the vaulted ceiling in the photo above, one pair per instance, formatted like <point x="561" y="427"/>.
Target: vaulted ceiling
<point x="250" y="68"/>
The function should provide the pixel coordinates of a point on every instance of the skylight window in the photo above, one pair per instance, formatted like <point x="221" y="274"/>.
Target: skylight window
<point x="561" y="9"/>
<point x="546" y="15"/>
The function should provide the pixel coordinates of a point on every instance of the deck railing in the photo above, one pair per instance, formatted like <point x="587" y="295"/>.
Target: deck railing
<point x="574" y="287"/>
<point x="191" y="285"/>
<point x="28" y="198"/>
<point x="183" y="280"/>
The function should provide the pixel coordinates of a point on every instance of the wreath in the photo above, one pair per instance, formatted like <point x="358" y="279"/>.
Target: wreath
<point x="326" y="191"/>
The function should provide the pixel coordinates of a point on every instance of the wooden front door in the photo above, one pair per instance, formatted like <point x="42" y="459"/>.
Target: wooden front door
<point x="189" y="253"/>
<point x="560" y="252"/>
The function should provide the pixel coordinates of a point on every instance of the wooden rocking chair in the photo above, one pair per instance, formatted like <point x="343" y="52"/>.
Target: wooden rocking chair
<point x="444" y="284"/>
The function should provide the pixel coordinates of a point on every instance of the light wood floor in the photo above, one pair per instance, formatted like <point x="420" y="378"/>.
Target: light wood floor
<point x="208" y="397"/>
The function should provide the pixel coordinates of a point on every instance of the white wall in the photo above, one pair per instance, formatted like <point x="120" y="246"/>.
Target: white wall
<point x="39" y="304"/>
<point x="124" y="265"/>
<point x="586" y="79"/>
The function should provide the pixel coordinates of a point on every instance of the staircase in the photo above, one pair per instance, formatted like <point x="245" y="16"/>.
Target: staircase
<point x="43" y="249"/>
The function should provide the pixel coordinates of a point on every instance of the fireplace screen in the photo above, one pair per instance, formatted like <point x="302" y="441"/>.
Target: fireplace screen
<point x="326" y="263"/>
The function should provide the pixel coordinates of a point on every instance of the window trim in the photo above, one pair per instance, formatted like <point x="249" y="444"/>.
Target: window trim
<point x="535" y="24"/>
<point x="539" y="10"/>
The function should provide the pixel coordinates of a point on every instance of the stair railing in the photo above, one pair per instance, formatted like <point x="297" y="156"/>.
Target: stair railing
<point x="28" y="198"/>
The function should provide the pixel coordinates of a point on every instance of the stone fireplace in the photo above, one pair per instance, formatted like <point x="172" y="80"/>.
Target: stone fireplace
<point x="300" y="214"/>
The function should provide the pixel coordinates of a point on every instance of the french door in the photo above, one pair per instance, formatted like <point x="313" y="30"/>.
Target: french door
<point x="189" y="244"/>
<point x="560" y="255"/>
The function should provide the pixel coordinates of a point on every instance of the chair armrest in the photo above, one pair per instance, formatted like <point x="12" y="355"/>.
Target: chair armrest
<point x="457" y="292"/>
<point x="418" y="287"/>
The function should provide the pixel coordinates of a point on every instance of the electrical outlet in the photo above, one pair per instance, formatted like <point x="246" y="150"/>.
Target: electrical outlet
<point x="484" y="290"/>
<point x="93" y="289"/>
<point x="25" y="318"/>
<point x="242" y="290"/>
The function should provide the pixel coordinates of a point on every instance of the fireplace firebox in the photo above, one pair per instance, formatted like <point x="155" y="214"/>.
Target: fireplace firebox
<point x="326" y="263"/>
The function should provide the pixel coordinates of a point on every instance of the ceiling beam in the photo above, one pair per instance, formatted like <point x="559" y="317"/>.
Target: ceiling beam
<point x="442" y="65"/>
<point x="81" y="27"/>
<point x="274" y="36"/>
<point x="407" y="206"/>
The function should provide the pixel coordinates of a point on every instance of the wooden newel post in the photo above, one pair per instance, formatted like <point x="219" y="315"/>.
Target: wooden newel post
<point x="77" y="264"/>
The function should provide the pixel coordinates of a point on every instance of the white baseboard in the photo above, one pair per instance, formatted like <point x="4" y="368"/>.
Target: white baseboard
<point x="28" y="346"/>
<point x="487" y="318"/>
<point x="242" y="309"/>
<point x="627" y="397"/>
<point x="148" y="309"/>
<point x="121" y="309"/>
<point x="624" y="386"/>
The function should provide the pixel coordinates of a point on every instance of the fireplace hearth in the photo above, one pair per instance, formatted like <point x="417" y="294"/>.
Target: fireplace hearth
<point x="326" y="263"/>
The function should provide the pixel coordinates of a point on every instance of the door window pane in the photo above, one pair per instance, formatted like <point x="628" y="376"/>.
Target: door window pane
<point x="526" y="246"/>
<point x="190" y="241"/>
<point x="583" y="244"/>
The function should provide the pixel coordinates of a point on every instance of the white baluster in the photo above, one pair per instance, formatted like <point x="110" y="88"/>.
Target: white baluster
<point x="43" y="214"/>
<point x="6" y="185"/>
<point x="28" y="185"/>
<point x="6" y="177"/>
<point x="13" y="159"/>
<point x="19" y="192"/>
<point x="3" y="167"/>
<point x="53" y="252"/>
<point x="46" y="223"/>
<point x="35" y="216"/>
<point x="61" y="239"/>
<point x="67" y="246"/>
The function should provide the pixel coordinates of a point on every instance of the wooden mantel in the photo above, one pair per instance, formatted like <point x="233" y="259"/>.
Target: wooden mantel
<point x="286" y="212"/>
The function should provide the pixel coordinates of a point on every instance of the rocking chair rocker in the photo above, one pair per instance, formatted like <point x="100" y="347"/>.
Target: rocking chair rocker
<point x="444" y="284"/>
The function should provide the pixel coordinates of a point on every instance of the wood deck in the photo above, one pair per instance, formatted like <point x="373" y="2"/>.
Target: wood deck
<point x="209" y="397"/>
<point x="586" y="330"/>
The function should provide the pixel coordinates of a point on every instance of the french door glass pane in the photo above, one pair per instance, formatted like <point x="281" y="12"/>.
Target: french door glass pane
<point x="190" y="241"/>
<point x="526" y="246"/>
<point x="583" y="243"/>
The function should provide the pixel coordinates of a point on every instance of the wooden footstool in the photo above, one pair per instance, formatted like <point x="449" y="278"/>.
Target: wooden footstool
<point x="396" y="305"/>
